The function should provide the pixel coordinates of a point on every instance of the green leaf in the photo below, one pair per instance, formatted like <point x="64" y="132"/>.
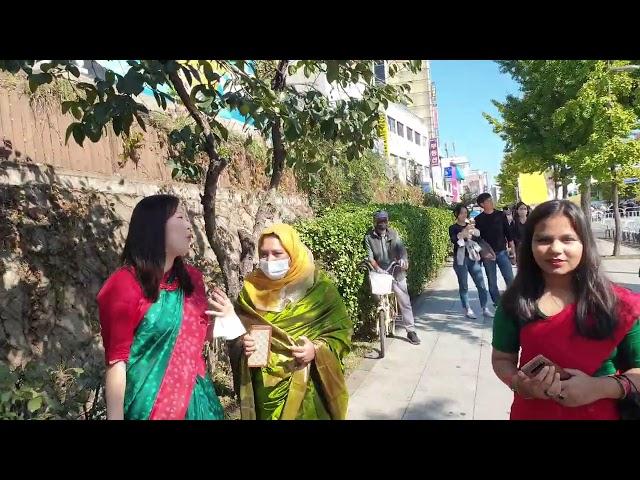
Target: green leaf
<point x="34" y="404"/>
<point x="77" y="112"/>
<point x="69" y="131"/>
<point x="187" y="74"/>
<point x="67" y="105"/>
<point x="94" y="133"/>
<point x="332" y="71"/>
<point x="91" y="96"/>
<point x="78" y="133"/>
<point x="117" y="125"/>
<point x="194" y="92"/>
<point x="110" y="77"/>
<point x="244" y="109"/>
<point x="140" y="121"/>
<point x="171" y="66"/>
<point x="210" y="75"/>
<point x="73" y="70"/>
<point x="224" y="133"/>
<point x="38" y="79"/>
<point x="132" y="83"/>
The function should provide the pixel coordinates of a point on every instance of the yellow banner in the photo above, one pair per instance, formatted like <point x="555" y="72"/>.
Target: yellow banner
<point x="532" y="188"/>
<point x="383" y="132"/>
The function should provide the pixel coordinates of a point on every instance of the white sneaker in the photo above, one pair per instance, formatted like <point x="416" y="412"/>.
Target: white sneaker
<point x="470" y="314"/>
<point x="487" y="313"/>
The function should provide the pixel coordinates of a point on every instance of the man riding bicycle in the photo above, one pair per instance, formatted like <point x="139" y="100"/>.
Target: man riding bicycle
<point x="385" y="246"/>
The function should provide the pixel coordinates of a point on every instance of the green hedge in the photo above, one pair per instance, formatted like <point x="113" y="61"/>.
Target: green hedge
<point x="336" y="240"/>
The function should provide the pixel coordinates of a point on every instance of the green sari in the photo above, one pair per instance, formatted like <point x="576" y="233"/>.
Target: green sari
<point x="283" y="391"/>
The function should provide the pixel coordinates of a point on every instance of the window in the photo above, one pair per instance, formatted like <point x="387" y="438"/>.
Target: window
<point x="400" y="129"/>
<point x="380" y="74"/>
<point x="393" y="167"/>
<point x="392" y="124"/>
<point x="409" y="134"/>
<point x="417" y="140"/>
<point x="424" y="141"/>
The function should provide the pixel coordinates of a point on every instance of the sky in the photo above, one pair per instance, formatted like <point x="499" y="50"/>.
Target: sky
<point x="464" y="90"/>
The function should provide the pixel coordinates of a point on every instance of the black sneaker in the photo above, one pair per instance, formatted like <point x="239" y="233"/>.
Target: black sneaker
<point x="413" y="338"/>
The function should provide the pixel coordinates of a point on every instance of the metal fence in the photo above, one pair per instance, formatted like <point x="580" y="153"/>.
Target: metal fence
<point x="603" y="223"/>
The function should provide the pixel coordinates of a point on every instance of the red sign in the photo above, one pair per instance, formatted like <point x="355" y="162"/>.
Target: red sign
<point x="433" y="152"/>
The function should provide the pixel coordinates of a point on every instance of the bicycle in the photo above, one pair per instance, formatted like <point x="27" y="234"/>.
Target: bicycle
<point x="382" y="288"/>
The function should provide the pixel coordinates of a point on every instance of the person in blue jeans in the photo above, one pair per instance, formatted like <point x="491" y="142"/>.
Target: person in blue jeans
<point x="466" y="260"/>
<point x="494" y="229"/>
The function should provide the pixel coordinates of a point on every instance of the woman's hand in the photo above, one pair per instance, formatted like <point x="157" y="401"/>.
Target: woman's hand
<point x="581" y="389"/>
<point x="545" y="385"/>
<point x="222" y="306"/>
<point x="249" y="344"/>
<point x="306" y="353"/>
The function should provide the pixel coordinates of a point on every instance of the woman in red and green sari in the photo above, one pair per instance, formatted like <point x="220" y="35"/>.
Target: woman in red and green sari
<point x="311" y="334"/>
<point x="153" y="322"/>
<point x="562" y="306"/>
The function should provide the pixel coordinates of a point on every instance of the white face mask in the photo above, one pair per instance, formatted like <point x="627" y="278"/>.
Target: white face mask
<point x="275" y="269"/>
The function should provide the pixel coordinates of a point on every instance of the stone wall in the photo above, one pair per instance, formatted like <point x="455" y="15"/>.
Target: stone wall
<point x="61" y="234"/>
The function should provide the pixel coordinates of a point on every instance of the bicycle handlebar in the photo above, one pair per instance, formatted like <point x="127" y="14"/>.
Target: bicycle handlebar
<point x="390" y="269"/>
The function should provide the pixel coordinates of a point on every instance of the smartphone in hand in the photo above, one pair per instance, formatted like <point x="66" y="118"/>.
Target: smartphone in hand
<point x="537" y="363"/>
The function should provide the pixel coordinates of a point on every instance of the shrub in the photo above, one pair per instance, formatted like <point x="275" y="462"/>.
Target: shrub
<point x="336" y="240"/>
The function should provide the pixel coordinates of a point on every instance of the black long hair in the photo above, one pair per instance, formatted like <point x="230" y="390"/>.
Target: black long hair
<point x="145" y="247"/>
<point x="595" y="299"/>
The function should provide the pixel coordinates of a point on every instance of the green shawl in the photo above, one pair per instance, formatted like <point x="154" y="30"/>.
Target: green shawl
<point x="281" y="390"/>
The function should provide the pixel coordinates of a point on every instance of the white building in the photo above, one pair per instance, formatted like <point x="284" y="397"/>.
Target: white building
<point x="408" y="146"/>
<point x="477" y="182"/>
<point x="496" y="193"/>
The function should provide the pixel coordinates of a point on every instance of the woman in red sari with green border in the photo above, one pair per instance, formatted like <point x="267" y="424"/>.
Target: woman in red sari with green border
<point x="153" y="322"/>
<point x="561" y="305"/>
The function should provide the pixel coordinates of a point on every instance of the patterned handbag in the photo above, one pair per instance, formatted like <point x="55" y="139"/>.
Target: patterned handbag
<point x="262" y="336"/>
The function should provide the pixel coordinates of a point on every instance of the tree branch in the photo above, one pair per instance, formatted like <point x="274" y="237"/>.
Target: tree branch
<point x="279" y="154"/>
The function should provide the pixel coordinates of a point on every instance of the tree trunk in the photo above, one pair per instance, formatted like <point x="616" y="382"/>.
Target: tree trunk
<point x="267" y="210"/>
<point x="565" y="181"/>
<point x="222" y="247"/>
<point x="585" y="199"/>
<point x="279" y="154"/>
<point x="616" y="216"/>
